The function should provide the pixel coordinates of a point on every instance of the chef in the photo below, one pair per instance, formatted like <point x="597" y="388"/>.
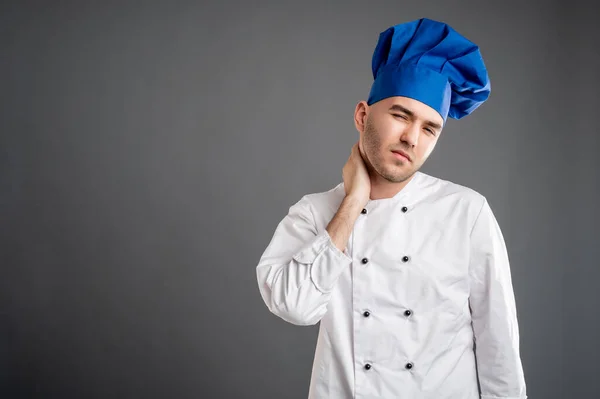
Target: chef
<point x="407" y="274"/>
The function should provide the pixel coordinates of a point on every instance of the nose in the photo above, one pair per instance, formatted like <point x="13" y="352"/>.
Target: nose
<point x="410" y="134"/>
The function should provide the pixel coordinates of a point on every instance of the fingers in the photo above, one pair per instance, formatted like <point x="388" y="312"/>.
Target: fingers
<point x="356" y="148"/>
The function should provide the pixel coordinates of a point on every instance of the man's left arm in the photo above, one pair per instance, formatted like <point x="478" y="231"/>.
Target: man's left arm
<point x="493" y="312"/>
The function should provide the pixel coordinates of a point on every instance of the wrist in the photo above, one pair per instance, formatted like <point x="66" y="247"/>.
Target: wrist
<point x="354" y="202"/>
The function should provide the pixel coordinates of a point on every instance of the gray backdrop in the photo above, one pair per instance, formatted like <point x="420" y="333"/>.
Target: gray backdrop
<point x="148" y="152"/>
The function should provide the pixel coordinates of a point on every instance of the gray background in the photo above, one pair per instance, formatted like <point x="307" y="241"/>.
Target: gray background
<point x="147" y="154"/>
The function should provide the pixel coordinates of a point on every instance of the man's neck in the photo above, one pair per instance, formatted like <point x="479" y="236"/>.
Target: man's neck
<point x="381" y="188"/>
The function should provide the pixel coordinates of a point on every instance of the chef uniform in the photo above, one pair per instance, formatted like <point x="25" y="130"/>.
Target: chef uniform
<point x="420" y="304"/>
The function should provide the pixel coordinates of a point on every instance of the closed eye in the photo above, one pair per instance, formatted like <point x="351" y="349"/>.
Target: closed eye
<point x="400" y="116"/>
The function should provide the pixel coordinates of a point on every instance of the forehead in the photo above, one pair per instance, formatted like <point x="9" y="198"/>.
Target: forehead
<point x="420" y="110"/>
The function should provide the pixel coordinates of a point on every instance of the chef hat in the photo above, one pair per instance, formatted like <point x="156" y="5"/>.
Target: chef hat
<point x="430" y="62"/>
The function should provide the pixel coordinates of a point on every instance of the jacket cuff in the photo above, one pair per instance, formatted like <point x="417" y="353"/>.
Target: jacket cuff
<point x="326" y="261"/>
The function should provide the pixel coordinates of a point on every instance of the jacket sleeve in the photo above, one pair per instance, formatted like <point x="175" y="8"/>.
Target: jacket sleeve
<point x="299" y="268"/>
<point x="493" y="312"/>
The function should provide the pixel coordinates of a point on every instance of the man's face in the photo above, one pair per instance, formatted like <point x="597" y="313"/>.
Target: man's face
<point x="399" y="125"/>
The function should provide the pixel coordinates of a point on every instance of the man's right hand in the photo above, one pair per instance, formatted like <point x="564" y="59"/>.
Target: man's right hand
<point x="358" y="191"/>
<point x="356" y="178"/>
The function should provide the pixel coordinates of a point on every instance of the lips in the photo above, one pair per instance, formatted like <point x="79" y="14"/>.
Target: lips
<point x="402" y="154"/>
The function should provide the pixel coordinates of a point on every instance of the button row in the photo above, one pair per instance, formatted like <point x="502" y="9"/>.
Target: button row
<point x="408" y="366"/>
<point x="407" y="313"/>
<point x="405" y="259"/>
<point x="404" y="209"/>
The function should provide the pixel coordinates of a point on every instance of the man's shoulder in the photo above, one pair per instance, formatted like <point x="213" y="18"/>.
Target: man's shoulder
<point x="332" y="194"/>
<point x="324" y="200"/>
<point x="444" y="187"/>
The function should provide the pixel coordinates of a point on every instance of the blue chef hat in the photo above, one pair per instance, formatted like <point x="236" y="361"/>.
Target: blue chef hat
<point x="430" y="62"/>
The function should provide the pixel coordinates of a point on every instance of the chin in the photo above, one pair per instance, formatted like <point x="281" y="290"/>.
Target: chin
<point x="397" y="176"/>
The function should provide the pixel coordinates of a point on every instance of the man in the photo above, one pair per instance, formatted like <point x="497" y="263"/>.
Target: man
<point x="407" y="274"/>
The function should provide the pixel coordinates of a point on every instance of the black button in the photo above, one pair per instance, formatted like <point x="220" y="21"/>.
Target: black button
<point x="409" y="366"/>
<point x="407" y="313"/>
<point x="368" y="366"/>
<point x="405" y="259"/>
<point x="366" y="313"/>
<point x="404" y="209"/>
<point x="365" y="260"/>
<point x="363" y="211"/>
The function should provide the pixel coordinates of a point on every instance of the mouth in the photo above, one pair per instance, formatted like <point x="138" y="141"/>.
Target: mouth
<point x="401" y="155"/>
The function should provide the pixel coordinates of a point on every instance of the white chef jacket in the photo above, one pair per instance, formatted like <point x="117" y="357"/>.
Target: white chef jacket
<point x="420" y="304"/>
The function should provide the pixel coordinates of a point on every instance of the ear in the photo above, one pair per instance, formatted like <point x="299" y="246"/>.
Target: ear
<point x="360" y="116"/>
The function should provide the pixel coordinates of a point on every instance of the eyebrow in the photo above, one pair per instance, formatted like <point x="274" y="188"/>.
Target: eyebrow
<point x="400" y="108"/>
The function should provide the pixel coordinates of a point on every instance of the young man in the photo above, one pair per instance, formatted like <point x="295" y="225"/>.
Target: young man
<point x="407" y="274"/>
